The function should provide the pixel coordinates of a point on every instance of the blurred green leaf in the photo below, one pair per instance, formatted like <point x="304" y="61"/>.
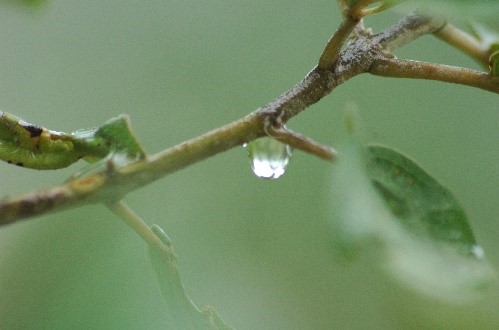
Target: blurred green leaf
<point x="182" y="312"/>
<point x="381" y="196"/>
<point x="486" y="35"/>
<point x="494" y="63"/>
<point x="25" y="4"/>
<point x="423" y="205"/>
<point x="463" y="9"/>
<point x="490" y="41"/>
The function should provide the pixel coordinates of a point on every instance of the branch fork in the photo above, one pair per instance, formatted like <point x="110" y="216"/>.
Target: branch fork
<point x="365" y="53"/>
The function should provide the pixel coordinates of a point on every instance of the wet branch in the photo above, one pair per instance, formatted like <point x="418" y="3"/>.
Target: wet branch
<point x="366" y="53"/>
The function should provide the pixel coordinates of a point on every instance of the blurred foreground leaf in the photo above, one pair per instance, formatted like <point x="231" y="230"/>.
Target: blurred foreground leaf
<point x="27" y="4"/>
<point x="182" y="312"/>
<point x="463" y="9"/>
<point x="417" y="200"/>
<point x="490" y="41"/>
<point x="382" y="197"/>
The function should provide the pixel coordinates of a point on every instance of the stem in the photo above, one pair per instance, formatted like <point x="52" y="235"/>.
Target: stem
<point x="128" y="216"/>
<point x="406" y="30"/>
<point x="332" y="50"/>
<point x="352" y="17"/>
<point x="464" y="42"/>
<point x="183" y="312"/>
<point x="303" y="143"/>
<point x="446" y="73"/>
<point x="379" y="8"/>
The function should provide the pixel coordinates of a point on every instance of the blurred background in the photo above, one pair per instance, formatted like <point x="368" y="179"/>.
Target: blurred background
<point x="258" y="251"/>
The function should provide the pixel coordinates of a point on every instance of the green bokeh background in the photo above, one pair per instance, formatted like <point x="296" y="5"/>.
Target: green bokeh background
<point x="258" y="251"/>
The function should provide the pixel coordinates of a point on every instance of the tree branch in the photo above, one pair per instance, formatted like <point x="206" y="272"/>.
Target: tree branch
<point x="364" y="54"/>
<point x="422" y="70"/>
<point x="333" y="47"/>
<point x="303" y="143"/>
<point x="406" y="30"/>
<point x="464" y="42"/>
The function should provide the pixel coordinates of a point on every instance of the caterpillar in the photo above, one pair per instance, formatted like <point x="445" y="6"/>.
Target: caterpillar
<point x="31" y="146"/>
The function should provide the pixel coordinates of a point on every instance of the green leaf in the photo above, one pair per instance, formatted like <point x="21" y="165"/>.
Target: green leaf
<point x="182" y="312"/>
<point x="32" y="146"/>
<point x="490" y="41"/>
<point x="494" y="63"/>
<point x="422" y="233"/>
<point x="115" y="137"/>
<point x="26" y="3"/>
<point x="463" y="9"/>
<point x="423" y="205"/>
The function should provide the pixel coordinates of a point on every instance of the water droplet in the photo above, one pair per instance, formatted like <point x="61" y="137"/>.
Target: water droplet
<point x="269" y="157"/>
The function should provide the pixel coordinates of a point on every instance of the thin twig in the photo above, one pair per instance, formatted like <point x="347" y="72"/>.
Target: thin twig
<point x="464" y="42"/>
<point x="422" y="70"/>
<point x="184" y="313"/>
<point x="128" y="216"/>
<point x="333" y="47"/>
<point x="406" y="30"/>
<point x="352" y="18"/>
<point x="303" y="143"/>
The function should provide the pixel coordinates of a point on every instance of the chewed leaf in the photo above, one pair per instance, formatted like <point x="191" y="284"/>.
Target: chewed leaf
<point x="418" y="226"/>
<point x="118" y="134"/>
<point x="33" y="146"/>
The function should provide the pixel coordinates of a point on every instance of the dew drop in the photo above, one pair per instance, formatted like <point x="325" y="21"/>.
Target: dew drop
<point x="269" y="157"/>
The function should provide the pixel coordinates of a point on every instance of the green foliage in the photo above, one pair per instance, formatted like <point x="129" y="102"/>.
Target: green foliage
<point x="116" y="135"/>
<point x="422" y="232"/>
<point x="182" y="312"/>
<point x="490" y="41"/>
<point x="26" y="2"/>
<point x="464" y="9"/>
<point x="381" y="196"/>
<point x="422" y="204"/>
<point x="494" y="63"/>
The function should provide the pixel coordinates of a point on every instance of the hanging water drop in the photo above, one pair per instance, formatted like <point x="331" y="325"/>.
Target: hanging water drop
<point x="269" y="157"/>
